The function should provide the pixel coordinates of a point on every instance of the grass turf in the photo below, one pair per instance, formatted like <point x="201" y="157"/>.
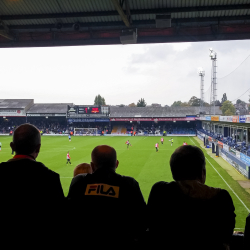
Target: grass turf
<point x="139" y="161"/>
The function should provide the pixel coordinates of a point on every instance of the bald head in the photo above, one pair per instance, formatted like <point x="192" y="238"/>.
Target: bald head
<point x="83" y="168"/>
<point x="26" y="140"/>
<point x="104" y="156"/>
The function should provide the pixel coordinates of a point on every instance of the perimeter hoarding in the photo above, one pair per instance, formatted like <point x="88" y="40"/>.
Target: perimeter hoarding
<point x="200" y="135"/>
<point x="71" y="120"/>
<point x="238" y="164"/>
<point x="226" y="118"/>
<point x="239" y="161"/>
<point x="242" y="119"/>
<point x="215" y="118"/>
<point x="12" y="112"/>
<point x="137" y="119"/>
<point x="247" y="118"/>
<point x="44" y="115"/>
<point x="235" y="118"/>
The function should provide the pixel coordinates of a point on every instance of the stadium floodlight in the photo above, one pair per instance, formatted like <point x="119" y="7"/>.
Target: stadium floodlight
<point x="212" y="54"/>
<point x="200" y="71"/>
<point x="85" y="131"/>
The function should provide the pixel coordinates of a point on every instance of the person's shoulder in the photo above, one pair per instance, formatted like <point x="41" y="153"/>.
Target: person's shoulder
<point x="160" y="185"/>
<point x="223" y="194"/>
<point x="41" y="167"/>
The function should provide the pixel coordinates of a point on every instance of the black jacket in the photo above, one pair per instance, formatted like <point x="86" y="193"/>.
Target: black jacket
<point x="107" y="204"/>
<point x="31" y="201"/>
<point x="247" y="233"/>
<point x="190" y="215"/>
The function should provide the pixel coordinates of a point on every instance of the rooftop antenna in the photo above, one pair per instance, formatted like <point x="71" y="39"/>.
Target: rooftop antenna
<point x="201" y="73"/>
<point x="213" y="96"/>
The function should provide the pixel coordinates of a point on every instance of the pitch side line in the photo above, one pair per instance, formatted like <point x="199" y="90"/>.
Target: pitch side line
<point x="225" y="182"/>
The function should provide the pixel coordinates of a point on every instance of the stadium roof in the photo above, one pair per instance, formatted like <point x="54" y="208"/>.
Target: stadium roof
<point x="89" y="22"/>
<point x="158" y="112"/>
<point x="15" y="103"/>
<point x="49" y="108"/>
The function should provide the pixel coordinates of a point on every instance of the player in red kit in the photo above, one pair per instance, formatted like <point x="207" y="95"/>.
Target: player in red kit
<point x="184" y="143"/>
<point x="157" y="147"/>
<point x="162" y="140"/>
<point x="68" y="159"/>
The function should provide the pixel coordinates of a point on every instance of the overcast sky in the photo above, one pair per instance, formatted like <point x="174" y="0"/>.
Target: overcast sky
<point x="122" y="74"/>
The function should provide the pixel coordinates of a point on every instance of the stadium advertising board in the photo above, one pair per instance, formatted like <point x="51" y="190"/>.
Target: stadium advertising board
<point x="215" y="118"/>
<point x="247" y="119"/>
<point x="245" y="159"/>
<point x="235" y="118"/>
<point x="208" y="118"/>
<point x="63" y="114"/>
<point x="238" y="154"/>
<point x="226" y="118"/>
<point x="152" y="119"/>
<point x="87" y="120"/>
<point x="238" y="164"/>
<point x="12" y="112"/>
<point x="242" y="118"/>
<point x="202" y="118"/>
<point x="223" y="118"/>
<point x="200" y="135"/>
<point x="232" y="150"/>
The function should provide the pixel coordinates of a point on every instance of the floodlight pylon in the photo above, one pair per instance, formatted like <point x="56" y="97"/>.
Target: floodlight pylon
<point x="213" y="96"/>
<point x="201" y="73"/>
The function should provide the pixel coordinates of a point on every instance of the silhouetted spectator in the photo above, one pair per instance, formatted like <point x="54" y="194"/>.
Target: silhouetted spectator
<point x="31" y="194"/>
<point x="185" y="213"/>
<point x="114" y="202"/>
<point x="247" y="234"/>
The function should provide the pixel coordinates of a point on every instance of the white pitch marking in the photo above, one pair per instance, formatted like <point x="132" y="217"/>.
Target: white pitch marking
<point x="225" y="182"/>
<point x="65" y="177"/>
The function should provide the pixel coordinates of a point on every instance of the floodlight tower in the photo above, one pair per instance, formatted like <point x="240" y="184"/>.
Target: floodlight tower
<point x="213" y="97"/>
<point x="201" y="73"/>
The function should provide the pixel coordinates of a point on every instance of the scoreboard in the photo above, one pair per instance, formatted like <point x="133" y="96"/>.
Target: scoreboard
<point x="88" y="110"/>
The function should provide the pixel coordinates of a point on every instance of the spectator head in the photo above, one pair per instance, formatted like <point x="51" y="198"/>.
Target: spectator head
<point x="104" y="156"/>
<point x="188" y="163"/>
<point x="26" y="140"/>
<point x="83" y="168"/>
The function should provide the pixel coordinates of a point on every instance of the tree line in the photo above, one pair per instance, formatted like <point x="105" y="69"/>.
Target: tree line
<point x="225" y="105"/>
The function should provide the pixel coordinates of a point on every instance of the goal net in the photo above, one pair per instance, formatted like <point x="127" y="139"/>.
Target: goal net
<point x="85" y="131"/>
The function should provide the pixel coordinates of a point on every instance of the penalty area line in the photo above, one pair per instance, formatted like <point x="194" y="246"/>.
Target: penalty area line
<point x="248" y="210"/>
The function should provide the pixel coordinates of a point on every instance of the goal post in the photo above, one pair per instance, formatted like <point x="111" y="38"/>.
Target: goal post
<point x="85" y="131"/>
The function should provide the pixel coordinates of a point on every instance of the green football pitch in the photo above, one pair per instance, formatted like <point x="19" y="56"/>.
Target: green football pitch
<point x="139" y="161"/>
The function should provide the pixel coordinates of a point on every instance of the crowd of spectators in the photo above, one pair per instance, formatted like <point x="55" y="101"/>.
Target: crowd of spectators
<point x="50" y="127"/>
<point x="106" y="209"/>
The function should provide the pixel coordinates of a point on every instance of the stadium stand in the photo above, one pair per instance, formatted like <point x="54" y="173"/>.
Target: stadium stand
<point x="123" y="130"/>
<point x="114" y="130"/>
